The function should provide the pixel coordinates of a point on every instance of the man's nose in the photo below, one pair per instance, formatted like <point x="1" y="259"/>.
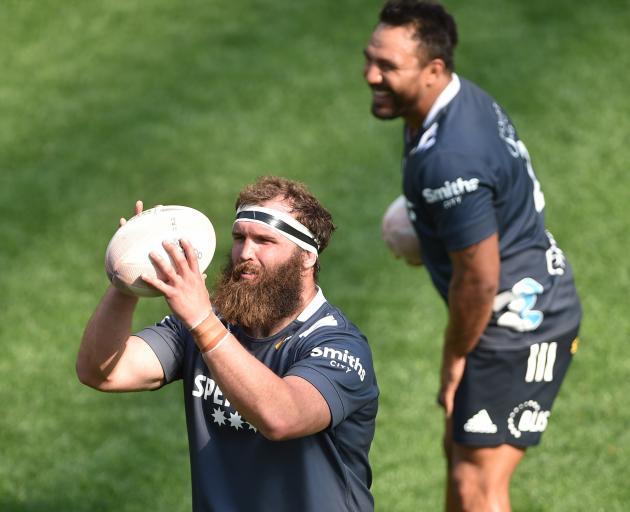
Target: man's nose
<point x="246" y="251"/>
<point x="372" y="74"/>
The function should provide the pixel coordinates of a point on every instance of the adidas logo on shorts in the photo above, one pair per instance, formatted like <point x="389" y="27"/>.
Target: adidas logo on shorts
<point x="480" y="423"/>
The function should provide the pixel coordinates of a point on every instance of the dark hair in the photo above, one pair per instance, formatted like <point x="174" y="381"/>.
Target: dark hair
<point x="304" y="205"/>
<point x="435" y="28"/>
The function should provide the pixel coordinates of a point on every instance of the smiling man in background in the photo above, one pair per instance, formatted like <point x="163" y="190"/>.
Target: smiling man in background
<point x="478" y="212"/>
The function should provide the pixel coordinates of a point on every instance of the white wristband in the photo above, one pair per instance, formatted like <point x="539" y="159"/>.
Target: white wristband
<point x="199" y="322"/>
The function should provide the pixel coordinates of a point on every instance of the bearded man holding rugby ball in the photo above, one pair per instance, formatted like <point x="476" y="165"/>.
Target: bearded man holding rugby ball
<point x="279" y="385"/>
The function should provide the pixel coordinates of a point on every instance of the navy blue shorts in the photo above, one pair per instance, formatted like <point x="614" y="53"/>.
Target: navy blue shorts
<point x="505" y="397"/>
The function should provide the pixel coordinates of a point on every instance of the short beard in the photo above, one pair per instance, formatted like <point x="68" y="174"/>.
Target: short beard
<point x="276" y="294"/>
<point x="384" y="117"/>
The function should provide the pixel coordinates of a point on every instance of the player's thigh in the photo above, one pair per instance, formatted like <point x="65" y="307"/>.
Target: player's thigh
<point x="486" y="466"/>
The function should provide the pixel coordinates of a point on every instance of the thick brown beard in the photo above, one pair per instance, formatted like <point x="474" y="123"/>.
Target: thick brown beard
<point x="275" y="294"/>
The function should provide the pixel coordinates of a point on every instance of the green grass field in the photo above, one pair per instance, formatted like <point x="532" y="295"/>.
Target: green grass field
<point x="102" y="103"/>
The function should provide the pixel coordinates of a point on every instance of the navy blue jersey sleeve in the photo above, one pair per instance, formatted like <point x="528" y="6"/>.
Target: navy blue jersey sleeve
<point x="339" y="365"/>
<point x="167" y="339"/>
<point x="457" y="191"/>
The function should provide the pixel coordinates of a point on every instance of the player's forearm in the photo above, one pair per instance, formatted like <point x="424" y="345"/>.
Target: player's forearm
<point x="470" y="308"/>
<point x="265" y="400"/>
<point x="470" y="305"/>
<point x="105" y="336"/>
<point x="253" y="389"/>
<point x="279" y="408"/>
<point x="471" y="293"/>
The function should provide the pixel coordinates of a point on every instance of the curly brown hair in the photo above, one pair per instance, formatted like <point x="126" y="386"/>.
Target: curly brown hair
<point x="304" y="205"/>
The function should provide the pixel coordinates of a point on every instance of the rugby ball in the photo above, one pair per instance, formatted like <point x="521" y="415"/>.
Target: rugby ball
<point x="127" y="255"/>
<point x="399" y="234"/>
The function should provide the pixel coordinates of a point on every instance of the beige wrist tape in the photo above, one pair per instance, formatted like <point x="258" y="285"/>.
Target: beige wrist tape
<point x="209" y="333"/>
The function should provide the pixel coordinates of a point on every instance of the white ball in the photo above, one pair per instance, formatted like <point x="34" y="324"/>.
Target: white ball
<point x="127" y="255"/>
<point x="399" y="234"/>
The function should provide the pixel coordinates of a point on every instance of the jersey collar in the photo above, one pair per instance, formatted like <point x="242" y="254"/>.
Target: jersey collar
<point x="290" y="329"/>
<point x="312" y="306"/>
<point x="445" y="97"/>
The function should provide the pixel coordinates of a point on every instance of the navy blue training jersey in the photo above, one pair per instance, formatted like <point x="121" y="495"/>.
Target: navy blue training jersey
<point x="233" y="467"/>
<point x="466" y="176"/>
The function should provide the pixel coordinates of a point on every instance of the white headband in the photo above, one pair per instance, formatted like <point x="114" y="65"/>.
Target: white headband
<point x="281" y="222"/>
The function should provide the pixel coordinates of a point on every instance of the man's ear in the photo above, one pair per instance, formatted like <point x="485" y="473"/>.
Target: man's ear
<point x="309" y="260"/>
<point x="434" y="72"/>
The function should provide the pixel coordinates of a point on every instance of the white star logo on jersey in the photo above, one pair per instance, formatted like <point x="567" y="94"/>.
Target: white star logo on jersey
<point x="480" y="423"/>
<point x="235" y="420"/>
<point x="219" y="417"/>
